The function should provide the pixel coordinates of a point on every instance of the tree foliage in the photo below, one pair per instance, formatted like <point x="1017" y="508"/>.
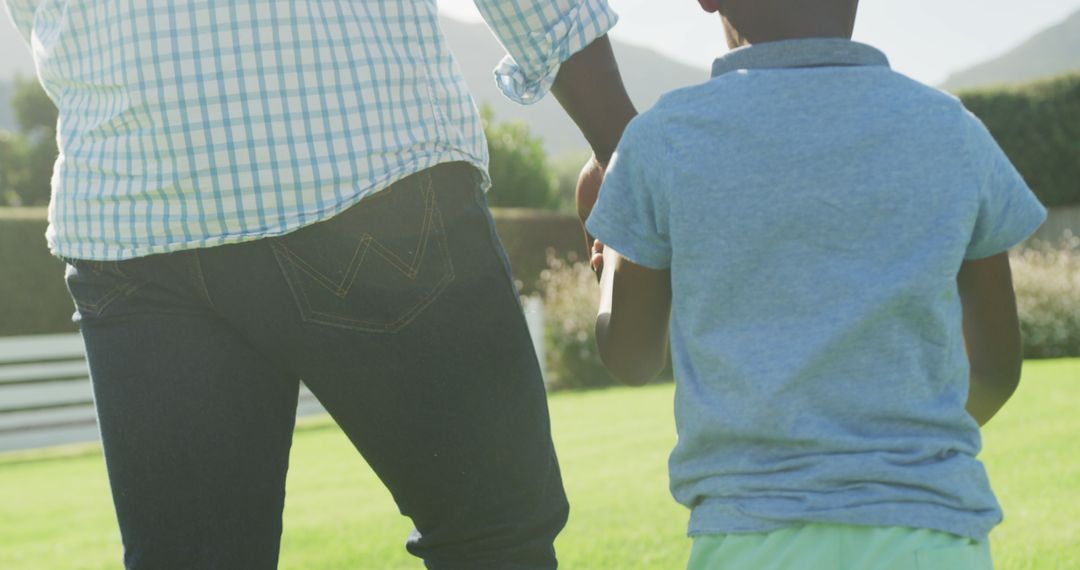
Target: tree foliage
<point x="34" y="111"/>
<point x="567" y="168"/>
<point x="520" y="175"/>
<point x="13" y="171"/>
<point x="27" y="157"/>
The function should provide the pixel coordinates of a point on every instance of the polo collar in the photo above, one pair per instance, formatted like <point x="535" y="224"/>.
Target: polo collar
<point x="811" y="52"/>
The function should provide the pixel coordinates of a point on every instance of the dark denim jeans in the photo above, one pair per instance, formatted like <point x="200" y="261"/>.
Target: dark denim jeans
<point x="401" y="316"/>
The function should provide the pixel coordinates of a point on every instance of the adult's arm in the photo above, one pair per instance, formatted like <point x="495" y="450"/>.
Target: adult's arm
<point x="591" y="91"/>
<point x="562" y="46"/>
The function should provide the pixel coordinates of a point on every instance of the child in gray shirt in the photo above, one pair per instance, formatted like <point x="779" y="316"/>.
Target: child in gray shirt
<point x="825" y="234"/>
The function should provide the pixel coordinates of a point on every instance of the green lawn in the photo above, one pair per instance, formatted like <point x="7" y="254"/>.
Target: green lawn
<point x="55" y="511"/>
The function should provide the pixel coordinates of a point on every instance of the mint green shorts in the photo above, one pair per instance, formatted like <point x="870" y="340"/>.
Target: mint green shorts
<point x="839" y="547"/>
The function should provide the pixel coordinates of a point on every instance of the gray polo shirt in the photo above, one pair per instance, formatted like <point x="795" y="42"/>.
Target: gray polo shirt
<point x="814" y="208"/>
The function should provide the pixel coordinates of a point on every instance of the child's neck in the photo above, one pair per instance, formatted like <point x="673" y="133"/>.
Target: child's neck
<point x="748" y="29"/>
<point x="737" y="40"/>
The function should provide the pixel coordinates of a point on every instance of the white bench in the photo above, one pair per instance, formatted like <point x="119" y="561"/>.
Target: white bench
<point x="46" y="398"/>
<point x="45" y="393"/>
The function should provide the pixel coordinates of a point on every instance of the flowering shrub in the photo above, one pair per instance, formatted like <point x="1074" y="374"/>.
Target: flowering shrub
<point x="571" y="297"/>
<point x="1046" y="278"/>
<point x="1047" y="282"/>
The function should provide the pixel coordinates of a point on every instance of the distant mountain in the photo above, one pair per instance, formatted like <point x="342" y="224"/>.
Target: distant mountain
<point x="1054" y="51"/>
<point x="646" y="73"/>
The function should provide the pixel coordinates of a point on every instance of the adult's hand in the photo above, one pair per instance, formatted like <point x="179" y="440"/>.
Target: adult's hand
<point x="588" y="189"/>
<point x="596" y="259"/>
<point x="590" y="89"/>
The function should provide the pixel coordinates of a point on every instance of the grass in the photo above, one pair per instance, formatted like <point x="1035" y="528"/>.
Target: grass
<point x="55" y="510"/>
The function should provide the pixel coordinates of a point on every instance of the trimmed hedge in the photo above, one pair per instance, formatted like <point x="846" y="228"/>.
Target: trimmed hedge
<point x="33" y="298"/>
<point x="527" y="236"/>
<point x="1038" y="127"/>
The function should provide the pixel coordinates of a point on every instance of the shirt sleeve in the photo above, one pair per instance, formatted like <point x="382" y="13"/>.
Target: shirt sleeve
<point x="1008" y="211"/>
<point x="22" y="15"/>
<point x="632" y="213"/>
<point x="539" y="35"/>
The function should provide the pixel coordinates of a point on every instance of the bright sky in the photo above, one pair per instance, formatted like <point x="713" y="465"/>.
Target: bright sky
<point x="926" y="39"/>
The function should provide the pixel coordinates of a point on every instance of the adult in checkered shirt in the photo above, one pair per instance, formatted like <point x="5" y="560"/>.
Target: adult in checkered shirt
<point x="253" y="192"/>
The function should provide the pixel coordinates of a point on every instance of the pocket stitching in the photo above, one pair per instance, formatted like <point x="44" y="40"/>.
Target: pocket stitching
<point x="308" y="314"/>
<point x="107" y="299"/>
<point x="367" y="242"/>
<point x="393" y="326"/>
<point x="99" y="305"/>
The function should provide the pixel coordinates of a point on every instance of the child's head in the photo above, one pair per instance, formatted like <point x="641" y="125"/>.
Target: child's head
<point x="755" y="21"/>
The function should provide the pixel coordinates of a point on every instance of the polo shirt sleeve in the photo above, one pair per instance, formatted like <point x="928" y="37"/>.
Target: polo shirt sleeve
<point x="539" y="35"/>
<point x="632" y="213"/>
<point x="1008" y="211"/>
<point x="22" y="15"/>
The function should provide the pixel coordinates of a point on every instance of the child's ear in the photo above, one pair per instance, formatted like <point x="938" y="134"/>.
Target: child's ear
<point x="710" y="6"/>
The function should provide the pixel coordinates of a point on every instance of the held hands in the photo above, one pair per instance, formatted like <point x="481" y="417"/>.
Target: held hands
<point x="588" y="187"/>
<point x="596" y="258"/>
<point x="590" y="89"/>
<point x="588" y="190"/>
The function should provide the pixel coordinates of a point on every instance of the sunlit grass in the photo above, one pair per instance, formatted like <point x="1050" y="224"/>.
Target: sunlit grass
<point x="55" y="511"/>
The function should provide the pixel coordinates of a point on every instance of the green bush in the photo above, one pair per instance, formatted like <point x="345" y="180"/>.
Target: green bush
<point x="520" y="175"/>
<point x="34" y="111"/>
<point x="27" y="157"/>
<point x="33" y="299"/>
<point x="1046" y="278"/>
<point x="567" y="168"/>
<point x="1038" y="127"/>
<point x="1047" y="282"/>
<point x="13" y="172"/>
<point x="571" y="296"/>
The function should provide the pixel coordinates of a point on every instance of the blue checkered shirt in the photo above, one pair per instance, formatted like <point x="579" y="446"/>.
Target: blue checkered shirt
<point x="195" y="123"/>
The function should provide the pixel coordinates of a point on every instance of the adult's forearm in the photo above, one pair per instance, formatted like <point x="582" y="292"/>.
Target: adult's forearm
<point x="590" y="89"/>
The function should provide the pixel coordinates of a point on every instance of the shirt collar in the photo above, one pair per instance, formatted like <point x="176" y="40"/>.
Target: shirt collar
<point x="811" y="52"/>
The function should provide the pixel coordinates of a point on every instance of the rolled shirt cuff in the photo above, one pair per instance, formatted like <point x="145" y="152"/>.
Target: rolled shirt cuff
<point x="528" y="82"/>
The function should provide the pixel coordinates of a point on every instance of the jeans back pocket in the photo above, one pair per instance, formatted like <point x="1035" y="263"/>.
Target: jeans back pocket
<point x="374" y="267"/>
<point x="95" y="285"/>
